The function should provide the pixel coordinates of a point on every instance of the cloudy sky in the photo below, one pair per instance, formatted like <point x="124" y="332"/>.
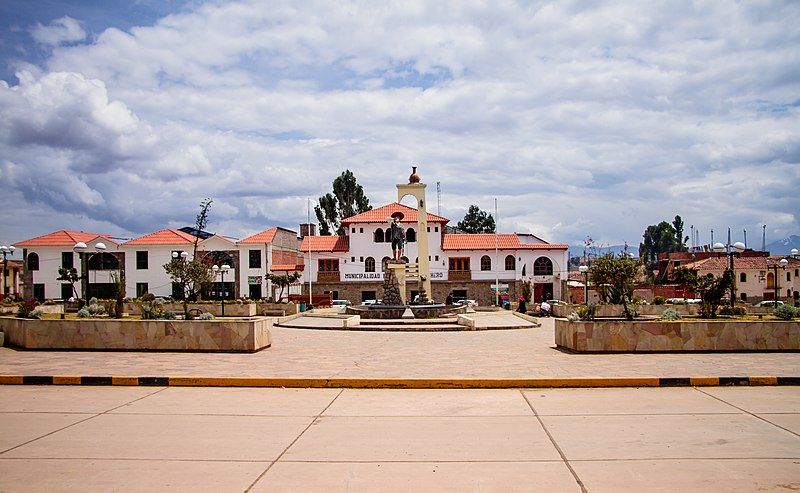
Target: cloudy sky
<point x="581" y="118"/>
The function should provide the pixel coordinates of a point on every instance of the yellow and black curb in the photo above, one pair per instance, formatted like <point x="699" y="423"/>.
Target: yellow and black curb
<point x="397" y="383"/>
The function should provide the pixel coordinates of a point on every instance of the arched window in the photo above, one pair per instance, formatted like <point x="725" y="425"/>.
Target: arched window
<point x="411" y="235"/>
<point x="511" y="262"/>
<point x="384" y="263"/>
<point x="770" y="281"/>
<point x="369" y="264"/>
<point x="543" y="266"/>
<point x="404" y="259"/>
<point x="486" y="263"/>
<point x="103" y="261"/>
<point x="378" y="235"/>
<point x="33" y="261"/>
<point x="388" y="237"/>
<point x="742" y="277"/>
<point x="218" y="257"/>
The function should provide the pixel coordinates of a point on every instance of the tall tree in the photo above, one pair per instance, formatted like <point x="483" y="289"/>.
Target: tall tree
<point x="662" y="238"/>
<point x="347" y="200"/>
<point x="477" y="221"/>
<point x="615" y="278"/>
<point x="201" y="221"/>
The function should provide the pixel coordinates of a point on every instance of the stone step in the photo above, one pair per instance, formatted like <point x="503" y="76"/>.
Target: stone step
<point x="412" y="321"/>
<point x="412" y="327"/>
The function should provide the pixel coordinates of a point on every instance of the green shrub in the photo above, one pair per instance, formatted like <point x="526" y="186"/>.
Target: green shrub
<point x="735" y="310"/>
<point x="27" y="307"/>
<point x="206" y="316"/>
<point x="659" y="300"/>
<point x="785" y="312"/>
<point x="93" y="301"/>
<point x="573" y="317"/>
<point x="84" y="313"/>
<point x="96" y="309"/>
<point x="587" y="312"/>
<point x="169" y="316"/>
<point x="670" y="314"/>
<point x="36" y="313"/>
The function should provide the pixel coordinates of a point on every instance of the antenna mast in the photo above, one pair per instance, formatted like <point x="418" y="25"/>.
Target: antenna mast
<point x="438" y="198"/>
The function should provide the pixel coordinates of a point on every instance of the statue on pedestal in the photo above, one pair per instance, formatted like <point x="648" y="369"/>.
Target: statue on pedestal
<point x="398" y="235"/>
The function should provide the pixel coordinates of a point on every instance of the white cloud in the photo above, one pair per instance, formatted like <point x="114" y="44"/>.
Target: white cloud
<point x="592" y="120"/>
<point x="59" y="31"/>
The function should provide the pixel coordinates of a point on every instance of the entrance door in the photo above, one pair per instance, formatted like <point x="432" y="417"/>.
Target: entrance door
<point x="255" y="292"/>
<point x="542" y="292"/>
<point x="38" y="292"/>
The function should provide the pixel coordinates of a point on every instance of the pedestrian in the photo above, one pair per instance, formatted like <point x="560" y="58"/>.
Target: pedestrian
<point x="449" y="299"/>
<point x="545" y="309"/>
<point x="522" y="308"/>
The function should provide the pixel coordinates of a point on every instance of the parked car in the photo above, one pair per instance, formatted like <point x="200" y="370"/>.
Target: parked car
<point x="471" y="303"/>
<point x="369" y="302"/>
<point x="683" y="301"/>
<point x="770" y="303"/>
<point x="341" y="303"/>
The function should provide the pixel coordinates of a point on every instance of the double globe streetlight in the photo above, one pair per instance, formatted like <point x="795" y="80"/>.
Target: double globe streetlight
<point x="731" y="250"/>
<point x="80" y="248"/>
<point x="584" y="269"/>
<point x="771" y="264"/>
<point x="223" y="269"/>
<point x="6" y="250"/>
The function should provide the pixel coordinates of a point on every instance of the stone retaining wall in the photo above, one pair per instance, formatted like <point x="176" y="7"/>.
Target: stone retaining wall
<point x="616" y="310"/>
<point x="166" y="335"/>
<point x="232" y="309"/>
<point x="644" y="336"/>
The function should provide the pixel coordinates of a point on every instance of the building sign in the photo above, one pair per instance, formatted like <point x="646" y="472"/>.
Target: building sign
<point x="503" y="287"/>
<point x="364" y="275"/>
<point x="437" y="275"/>
<point x="253" y="279"/>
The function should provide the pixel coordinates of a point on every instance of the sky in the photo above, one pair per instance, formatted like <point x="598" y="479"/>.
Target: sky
<point x="581" y="118"/>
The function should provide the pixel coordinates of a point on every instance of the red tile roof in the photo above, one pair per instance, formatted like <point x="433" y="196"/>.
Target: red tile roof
<point x="719" y="264"/>
<point x="265" y="236"/>
<point x="287" y="268"/>
<point x="163" y="237"/>
<point x="60" y="238"/>
<point x="325" y="244"/>
<point x="487" y="241"/>
<point x="380" y="215"/>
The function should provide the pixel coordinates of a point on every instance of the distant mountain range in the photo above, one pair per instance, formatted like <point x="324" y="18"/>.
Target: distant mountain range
<point x="778" y="247"/>
<point x="784" y="246"/>
<point x="577" y="250"/>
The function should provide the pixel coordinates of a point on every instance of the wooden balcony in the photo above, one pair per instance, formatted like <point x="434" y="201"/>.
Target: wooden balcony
<point x="459" y="275"/>
<point x="328" y="277"/>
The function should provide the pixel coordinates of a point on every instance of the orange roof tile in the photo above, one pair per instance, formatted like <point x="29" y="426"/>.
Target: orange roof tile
<point x="380" y="215"/>
<point x="719" y="264"/>
<point x="325" y="244"/>
<point x="265" y="236"/>
<point x="487" y="241"/>
<point x="163" y="237"/>
<point x="287" y="267"/>
<point x="60" y="238"/>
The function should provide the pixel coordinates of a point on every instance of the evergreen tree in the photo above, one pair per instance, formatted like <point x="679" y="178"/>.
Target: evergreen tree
<point x="477" y="221"/>
<point x="347" y="200"/>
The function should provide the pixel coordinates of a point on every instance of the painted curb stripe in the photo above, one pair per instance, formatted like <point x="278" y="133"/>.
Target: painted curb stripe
<point x="396" y="383"/>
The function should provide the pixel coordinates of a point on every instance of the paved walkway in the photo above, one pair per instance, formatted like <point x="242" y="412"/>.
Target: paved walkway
<point x="495" y="354"/>
<point x="242" y="439"/>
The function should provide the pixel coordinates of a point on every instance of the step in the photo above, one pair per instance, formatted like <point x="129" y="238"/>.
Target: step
<point x="411" y="327"/>
<point x="412" y="321"/>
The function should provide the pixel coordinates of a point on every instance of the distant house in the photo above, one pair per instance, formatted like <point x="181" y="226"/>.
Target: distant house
<point x="755" y="275"/>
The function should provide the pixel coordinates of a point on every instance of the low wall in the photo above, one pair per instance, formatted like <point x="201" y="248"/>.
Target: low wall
<point x="286" y="308"/>
<point x="644" y="336"/>
<point x="48" y="309"/>
<point x="166" y="335"/>
<point x="616" y="310"/>
<point x="232" y="308"/>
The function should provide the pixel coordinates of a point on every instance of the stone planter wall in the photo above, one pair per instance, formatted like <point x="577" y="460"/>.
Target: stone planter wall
<point x="644" y="336"/>
<point x="287" y="308"/>
<point x="166" y="335"/>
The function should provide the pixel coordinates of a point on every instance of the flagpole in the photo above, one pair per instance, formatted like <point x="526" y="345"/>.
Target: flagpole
<point x="310" y="263"/>
<point x="496" y="265"/>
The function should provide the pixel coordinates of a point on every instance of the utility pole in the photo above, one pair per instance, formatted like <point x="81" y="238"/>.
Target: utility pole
<point x="438" y="198"/>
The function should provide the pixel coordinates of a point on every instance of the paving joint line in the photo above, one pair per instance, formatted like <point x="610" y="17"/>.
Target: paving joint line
<point x="557" y="447"/>
<point x="750" y="413"/>
<point x="250" y="487"/>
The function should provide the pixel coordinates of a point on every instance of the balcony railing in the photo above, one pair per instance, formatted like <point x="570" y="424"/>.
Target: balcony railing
<point x="328" y="277"/>
<point x="459" y="275"/>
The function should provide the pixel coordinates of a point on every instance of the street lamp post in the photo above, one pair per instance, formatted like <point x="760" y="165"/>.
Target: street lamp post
<point x="6" y="250"/>
<point x="222" y="270"/>
<point x="80" y="248"/>
<point x="730" y="250"/>
<point x="584" y="269"/>
<point x="774" y="266"/>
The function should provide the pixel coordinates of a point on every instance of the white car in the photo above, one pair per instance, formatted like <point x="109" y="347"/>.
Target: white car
<point x="470" y="303"/>
<point x="770" y="303"/>
<point x="341" y="303"/>
<point x="369" y="302"/>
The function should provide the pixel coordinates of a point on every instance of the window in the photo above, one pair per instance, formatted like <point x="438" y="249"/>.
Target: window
<point x="254" y="292"/>
<point x="142" y="260"/>
<point x="142" y="288"/>
<point x="38" y="291"/>
<point x="353" y="230"/>
<point x="486" y="263"/>
<point x="437" y="258"/>
<point x="742" y="277"/>
<point x="369" y="265"/>
<point x="66" y="261"/>
<point x="33" y="261"/>
<point x="511" y="263"/>
<point x="743" y="296"/>
<point x="368" y="295"/>
<point x="352" y="259"/>
<point x="788" y="276"/>
<point x="388" y="237"/>
<point x="384" y="263"/>
<point x="255" y="260"/>
<point x="436" y="229"/>
<point x="411" y="235"/>
<point x="360" y="259"/>
<point x="378" y="236"/>
<point x="328" y="265"/>
<point x="543" y="266"/>
<point x="103" y="261"/>
<point x="360" y="230"/>
<point x="429" y="229"/>
<point x="459" y="263"/>
<point x="66" y="291"/>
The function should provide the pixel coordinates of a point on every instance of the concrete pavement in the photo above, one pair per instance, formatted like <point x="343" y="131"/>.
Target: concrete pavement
<point x="245" y="439"/>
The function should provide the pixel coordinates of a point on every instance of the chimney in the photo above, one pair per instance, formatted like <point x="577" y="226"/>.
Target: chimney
<point x="307" y="229"/>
